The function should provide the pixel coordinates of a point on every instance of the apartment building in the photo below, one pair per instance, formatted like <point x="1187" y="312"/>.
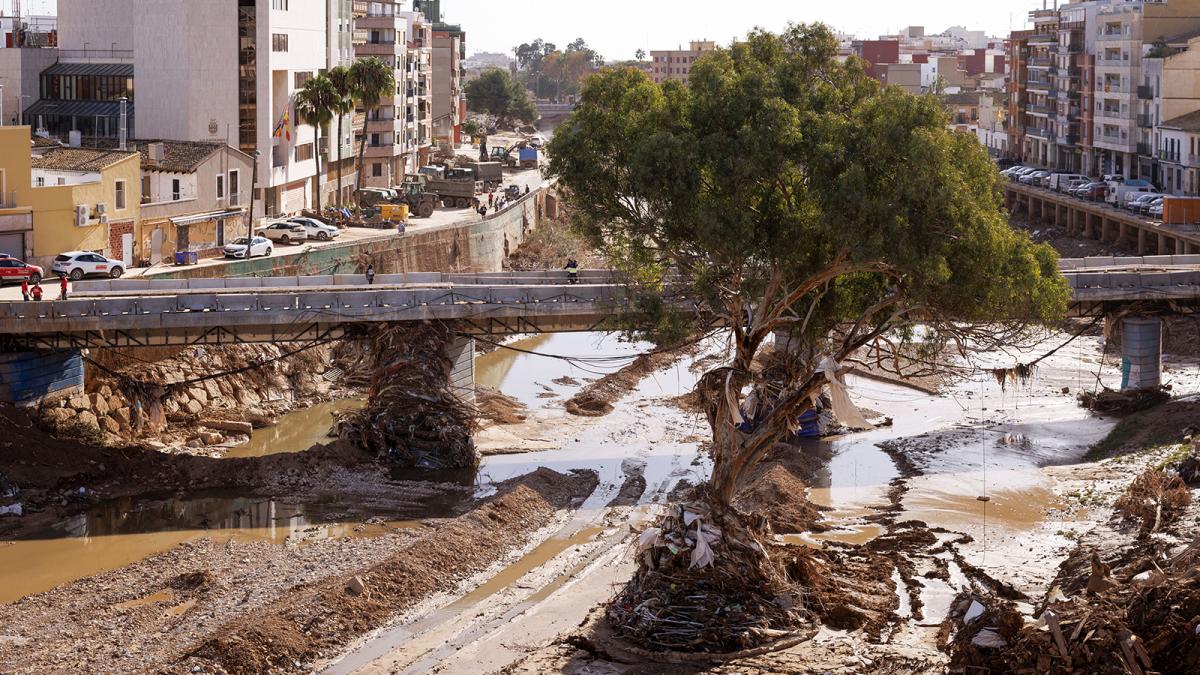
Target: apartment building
<point x="449" y="102"/>
<point x="1086" y="81"/>
<point x="677" y="64"/>
<point x="220" y="72"/>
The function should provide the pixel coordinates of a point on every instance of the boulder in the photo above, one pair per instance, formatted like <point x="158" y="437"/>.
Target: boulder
<point x="198" y="394"/>
<point x="244" y="428"/>
<point x="115" y="402"/>
<point x="356" y="586"/>
<point x="105" y="390"/>
<point x="248" y="396"/>
<point x="210" y="386"/>
<point x="123" y="417"/>
<point x="110" y="425"/>
<point x="170" y="406"/>
<point x="80" y="402"/>
<point x="88" y="418"/>
<point x="57" y="416"/>
<point x="211" y="438"/>
<point x="99" y="405"/>
<point x="194" y="407"/>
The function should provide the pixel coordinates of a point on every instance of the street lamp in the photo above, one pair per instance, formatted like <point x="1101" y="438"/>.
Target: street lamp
<point x="250" y="212"/>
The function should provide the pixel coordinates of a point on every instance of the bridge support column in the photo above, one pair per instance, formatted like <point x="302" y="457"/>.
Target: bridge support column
<point x="1141" y="353"/>
<point x="1163" y="243"/>
<point x="1141" y="241"/>
<point x="1180" y="247"/>
<point x="1122" y="233"/>
<point x="31" y="378"/>
<point x="1089" y="224"/>
<point x="1105" y="227"/>
<point x="461" y="352"/>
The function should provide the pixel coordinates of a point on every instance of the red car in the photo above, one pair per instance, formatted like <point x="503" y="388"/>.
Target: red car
<point x="12" y="270"/>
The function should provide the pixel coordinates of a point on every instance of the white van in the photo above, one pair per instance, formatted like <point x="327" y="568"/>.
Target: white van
<point x="1120" y="193"/>
<point x="1059" y="182"/>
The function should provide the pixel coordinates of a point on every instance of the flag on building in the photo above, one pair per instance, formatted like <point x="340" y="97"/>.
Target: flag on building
<point x="284" y="128"/>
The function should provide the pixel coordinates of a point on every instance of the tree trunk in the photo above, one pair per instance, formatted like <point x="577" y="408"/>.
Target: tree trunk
<point x="338" y="200"/>
<point x="317" y="156"/>
<point x="362" y="154"/>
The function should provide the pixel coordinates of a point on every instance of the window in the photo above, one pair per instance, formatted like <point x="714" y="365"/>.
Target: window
<point x="120" y="199"/>
<point x="376" y="170"/>
<point x="175" y="189"/>
<point x="281" y="5"/>
<point x="40" y="181"/>
<point x="235" y="188"/>
<point x="62" y="181"/>
<point x="279" y="42"/>
<point x="302" y="77"/>
<point x="304" y="152"/>
<point x="220" y="186"/>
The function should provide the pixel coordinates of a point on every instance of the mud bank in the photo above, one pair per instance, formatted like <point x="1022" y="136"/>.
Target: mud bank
<point x="208" y="603"/>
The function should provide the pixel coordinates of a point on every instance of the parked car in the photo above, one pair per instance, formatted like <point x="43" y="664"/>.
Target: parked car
<point x="1144" y="205"/>
<point x="80" y="264"/>
<point x="1035" y="178"/>
<point x="1156" y="211"/>
<point x="1073" y="185"/>
<point x="1134" y="200"/>
<point x="1059" y="182"/>
<point x="12" y="269"/>
<point x="538" y="141"/>
<point x="1005" y="163"/>
<point x="1021" y="171"/>
<point x="258" y="246"/>
<point x="315" y="229"/>
<point x="284" y="232"/>
<point x="1092" y="192"/>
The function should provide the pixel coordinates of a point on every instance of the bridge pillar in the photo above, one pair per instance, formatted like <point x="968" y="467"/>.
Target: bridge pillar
<point x="1105" y="227"/>
<point x="1089" y="224"/>
<point x="1180" y="247"/>
<point x="1141" y="241"/>
<point x="461" y="352"/>
<point x="1141" y="353"/>
<point x="1162" y="245"/>
<point x="1122" y="232"/>
<point x="31" y="378"/>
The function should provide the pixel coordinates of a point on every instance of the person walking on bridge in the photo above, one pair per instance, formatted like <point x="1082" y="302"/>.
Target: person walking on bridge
<point x="36" y="292"/>
<point x="62" y="287"/>
<point x="370" y="275"/>
<point x="572" y="271"/>
<point x="25" y="289"/>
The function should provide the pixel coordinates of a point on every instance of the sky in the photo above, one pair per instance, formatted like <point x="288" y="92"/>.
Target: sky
<point x="618" y="28"/>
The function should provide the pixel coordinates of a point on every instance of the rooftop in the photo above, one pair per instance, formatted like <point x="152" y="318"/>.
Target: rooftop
<point x="79" y="159"/>
<point x="177" y="156"/>
<point x="1188" y="122"/>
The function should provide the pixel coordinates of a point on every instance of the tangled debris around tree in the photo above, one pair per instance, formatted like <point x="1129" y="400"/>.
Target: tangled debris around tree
<point x="1154" y="499"/>
<point x="412" y="416"/>
<point x="707" y="585"/>
<point x="1110" y="402"/>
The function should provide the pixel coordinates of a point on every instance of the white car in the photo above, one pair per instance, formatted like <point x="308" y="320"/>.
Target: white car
<point x="316" y="229"/>
<point x="284" y="232"/>
<point x="80" y="264"/>
<point x="258" y="246"/>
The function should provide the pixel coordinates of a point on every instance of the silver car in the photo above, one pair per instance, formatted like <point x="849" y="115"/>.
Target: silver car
<point x="315" y="229"/>
<point x="284" y="232"/>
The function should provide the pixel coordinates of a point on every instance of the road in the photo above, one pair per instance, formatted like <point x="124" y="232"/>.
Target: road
<point x="443" y="216"/>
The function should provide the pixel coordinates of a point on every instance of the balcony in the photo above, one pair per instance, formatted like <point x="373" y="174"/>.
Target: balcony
<point x="1038" y="132"/>
<point x="381" y="126"/>
<point x="1043" y="110"/>
<point x="1145" y="92"/>
<point x="8" y="200"/>
<point x="1072" y="139"/>
<point x="1166" y="156"/>
<point x="1145" y="120"/>
<point x="1145" y="150"/>
<point x="1041" y="62"/>
<point x="1043" y="39"/>
<point x="1114" y="89"/>
<point x="379" y="49"/>
<point x="1037" y="85"/>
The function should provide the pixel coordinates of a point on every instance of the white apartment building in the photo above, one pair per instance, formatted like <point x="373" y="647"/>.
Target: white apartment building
<point x="221" y="71"/>
<point x="398" y="130"/>
<point x="449" y="102"/>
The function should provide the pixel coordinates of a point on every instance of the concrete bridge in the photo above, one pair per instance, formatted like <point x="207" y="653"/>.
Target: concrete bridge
<point x="149" y="313"/>
<point x="553" y="113"/>
<point x="1098" y="220"/>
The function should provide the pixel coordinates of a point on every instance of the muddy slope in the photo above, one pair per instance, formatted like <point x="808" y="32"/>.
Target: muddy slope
<point x="312" y="620"/>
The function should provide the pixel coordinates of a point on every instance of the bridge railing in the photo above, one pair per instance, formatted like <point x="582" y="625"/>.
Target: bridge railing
<point x="1067" y="264"/>
<point x="1171" y="283"/>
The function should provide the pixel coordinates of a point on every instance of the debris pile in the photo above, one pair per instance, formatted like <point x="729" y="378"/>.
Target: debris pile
<point x="1111" y="402"/>
<point x="499" y="408"/>
<point x="1155" y="499"/>
<point x="412" y="417"/>
<point x="706" y="585"/>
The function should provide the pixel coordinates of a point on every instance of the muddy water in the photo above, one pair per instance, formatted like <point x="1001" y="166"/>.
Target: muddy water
<point x="295" y="432"/>
<point x="125" y="531"/>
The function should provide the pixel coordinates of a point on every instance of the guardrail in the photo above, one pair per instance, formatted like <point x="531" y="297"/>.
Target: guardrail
<point x="1068" y="264"/>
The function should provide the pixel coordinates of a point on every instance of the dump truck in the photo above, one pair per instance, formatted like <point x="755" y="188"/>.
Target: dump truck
<point x="455" y="188"/>
<point x="528" y="157"/>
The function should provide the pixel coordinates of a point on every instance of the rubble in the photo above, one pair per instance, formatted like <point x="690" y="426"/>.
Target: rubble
<point x="1110" y="402"/>
<point x="412" y="418"/>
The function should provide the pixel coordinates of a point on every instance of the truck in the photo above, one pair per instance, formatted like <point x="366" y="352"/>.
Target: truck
<point x="528" y="157"/>
<point x="490" y="174"/>
<point x="1119" y="192"/>
<point x="455" y="188"/>
<point x="1060" y="182"/>
<point x="421" y="203"/>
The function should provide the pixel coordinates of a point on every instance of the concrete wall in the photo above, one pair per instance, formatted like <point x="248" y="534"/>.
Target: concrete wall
<point x="461" y="352"/>
<point x="20" y="73"/>
<point x="29" y="377"/>
<point x="97" y="24"/>
<point x="479" y="246"/>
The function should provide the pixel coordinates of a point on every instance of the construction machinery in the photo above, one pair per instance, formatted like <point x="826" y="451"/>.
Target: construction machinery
<point x="455" y="188"/>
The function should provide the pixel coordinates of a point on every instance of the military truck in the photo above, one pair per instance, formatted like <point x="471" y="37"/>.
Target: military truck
<point x="421" y="203"/>
<point x="455" y="188"/>
<point x="489" y="174"/>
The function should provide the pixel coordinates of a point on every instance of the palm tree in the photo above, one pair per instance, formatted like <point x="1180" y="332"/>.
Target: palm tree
<point x="315" y="104"/>
<point x="373" y="79"/>
<point x="340" y="78"/>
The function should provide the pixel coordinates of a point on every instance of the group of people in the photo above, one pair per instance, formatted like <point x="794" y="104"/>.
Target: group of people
<point x="35" y="292"/>
<point x="496" y="204"/>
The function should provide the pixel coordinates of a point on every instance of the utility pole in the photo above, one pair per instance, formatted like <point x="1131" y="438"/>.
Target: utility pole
<point x="250" y="212"/>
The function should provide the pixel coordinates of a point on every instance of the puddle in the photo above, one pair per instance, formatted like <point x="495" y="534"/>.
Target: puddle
<point x="530" y="378"/>
<point x="296" y="431"/>
<point x="122" y="532"/>
<point x="854" y="535"/>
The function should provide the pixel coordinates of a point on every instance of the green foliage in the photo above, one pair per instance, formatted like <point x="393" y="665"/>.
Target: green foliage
<point x="372" y="79"/>
<point x="471" y="128"/>
<point x="495" y="92"/>
<point x="316" y="104"/>
<point x="779" y="165"/>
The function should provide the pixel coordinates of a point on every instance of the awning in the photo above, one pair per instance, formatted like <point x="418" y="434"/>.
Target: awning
<point x="101" y="69"/>
<point x="77" y="109"/>
<point x="205" y="217"/>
